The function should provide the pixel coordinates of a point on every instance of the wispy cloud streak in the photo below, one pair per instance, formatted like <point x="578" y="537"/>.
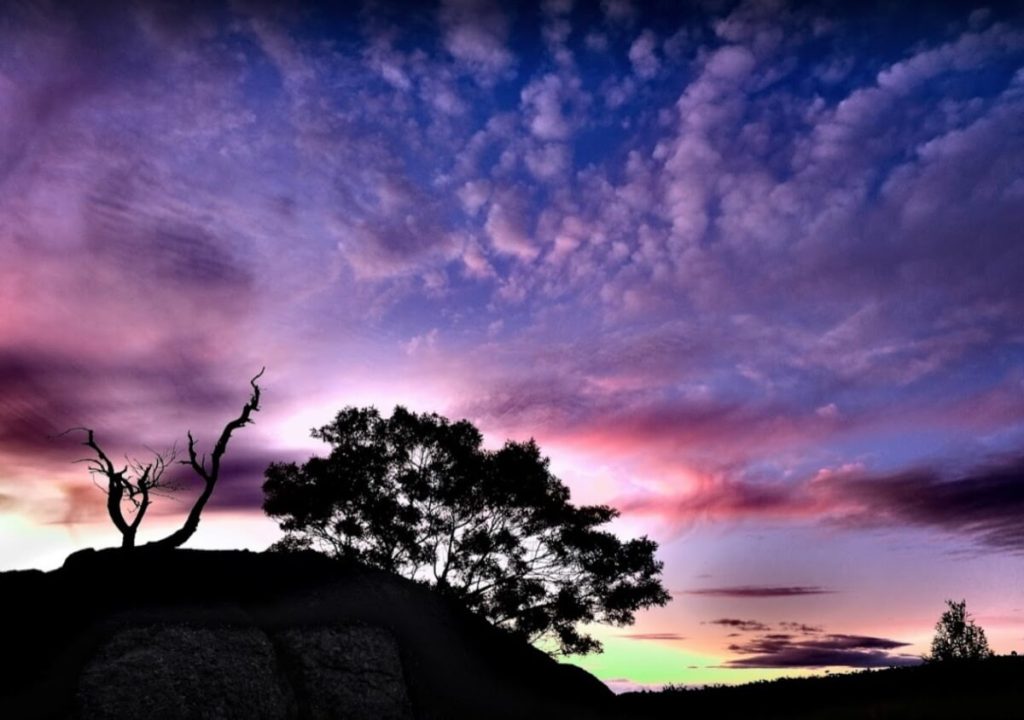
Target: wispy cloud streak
<point x="756" y="591"/>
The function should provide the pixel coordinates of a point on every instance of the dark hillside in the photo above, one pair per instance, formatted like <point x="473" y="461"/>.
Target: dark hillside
<point x="988" y="689"/>
<point x="129" y="630"/>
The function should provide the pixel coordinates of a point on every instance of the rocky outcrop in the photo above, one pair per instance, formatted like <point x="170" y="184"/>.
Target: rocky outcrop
<point x="350" y="672"/>
<point x="183" y="672"/>
<point x="177" y="672"/>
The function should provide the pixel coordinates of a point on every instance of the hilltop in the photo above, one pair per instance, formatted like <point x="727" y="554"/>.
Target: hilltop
<point x="198" y="634"/>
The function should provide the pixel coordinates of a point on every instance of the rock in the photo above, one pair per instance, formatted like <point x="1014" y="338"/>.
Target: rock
<point x="225" y="634"/>
<point x="178" y="672"/>
<point x="184" y="672"/>
<point x="345" y="672"/>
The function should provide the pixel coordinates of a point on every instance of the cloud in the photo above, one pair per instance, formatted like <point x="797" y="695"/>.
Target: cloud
<point x="726" y="499"/>
<point x="969" y="51"/>
<point x="426" y="342"/>
<point x="551" y="104"/>
<point x="652" y="636"/>
<point x="642" y="55"/>
<point x="730" y="63"/>
<point x="380" y="248"/>
<point x="46" y="393"/>
<point x="618" y="12"/>
<point x="506" y="226"/>
<point x="240" y="487"/>
<point x="799" y="627"/>
<point x="759" y="591"/>
<point x="548" y="162"/>
<point x="475" y="33"/>
<point x="782" y="650"/>
<point x="744" y="625"/>
<point x="984" y="503"/>
<point x="474" y="194"/>
<point x="981" y="503"/>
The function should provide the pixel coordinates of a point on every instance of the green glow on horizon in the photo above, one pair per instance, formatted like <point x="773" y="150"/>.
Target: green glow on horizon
<point x="656" y="663"/>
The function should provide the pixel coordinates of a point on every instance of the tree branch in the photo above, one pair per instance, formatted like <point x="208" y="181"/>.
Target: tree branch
<point x="210" y="475"/>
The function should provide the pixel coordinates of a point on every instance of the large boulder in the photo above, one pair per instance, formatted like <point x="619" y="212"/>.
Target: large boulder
<point x="180" y="672"/>
<point x="351" y="672"/>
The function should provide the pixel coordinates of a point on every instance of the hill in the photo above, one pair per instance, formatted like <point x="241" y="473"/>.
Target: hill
<point x="203" y="634"/>
<point x="990" y="689"/>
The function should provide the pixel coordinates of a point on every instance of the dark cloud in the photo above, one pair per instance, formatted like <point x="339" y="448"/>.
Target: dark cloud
<point x="983" y="504"/>
<point x="241" y="483"/>
<point x="744" y="625"/>
<point x="652" y="636"/>
<point x="759" y="591"/>
<point x="797" y="657"/>
<point x="799" y="627"/>
<point x="179" y="254"/>
<point x="78" y="62"/>
<point x="44" y="397"/>
<point x="37" y="400"/>
<point x="157" y="254"/>
<point x="986" y="503"/>
<point x="784" y="650"/>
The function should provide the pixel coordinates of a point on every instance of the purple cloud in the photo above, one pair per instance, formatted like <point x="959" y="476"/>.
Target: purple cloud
<point x="759" y="591"/>
<point x="780" y="650"/>
<point x="984" y="503"/>
<point x="475" y="33"/>
<point x="652" y="636"/>
<point x="799" y="627"/>
<point x="736" y="624"/>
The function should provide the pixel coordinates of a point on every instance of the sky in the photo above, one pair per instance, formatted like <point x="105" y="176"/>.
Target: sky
<point x="751" y="272"/>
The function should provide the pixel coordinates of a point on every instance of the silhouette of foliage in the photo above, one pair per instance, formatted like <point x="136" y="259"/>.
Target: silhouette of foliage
<point x="418" y="495"/>
<point x="957" y="637"/>
<point x="134" y="486"/>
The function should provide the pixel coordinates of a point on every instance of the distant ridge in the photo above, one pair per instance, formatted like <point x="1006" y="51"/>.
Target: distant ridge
<point x="990" y="689"/>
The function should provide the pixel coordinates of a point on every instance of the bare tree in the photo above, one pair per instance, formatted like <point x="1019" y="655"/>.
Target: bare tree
<point x="137" y="483"/>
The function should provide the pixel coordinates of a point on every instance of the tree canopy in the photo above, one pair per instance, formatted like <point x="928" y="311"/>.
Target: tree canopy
<point x="957" y="637"/>
<point x="418" y="495"/>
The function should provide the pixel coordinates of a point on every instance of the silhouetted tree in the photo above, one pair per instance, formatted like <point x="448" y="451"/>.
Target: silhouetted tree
<point x="134" y="486"/>
<point x="957" y="637"/>
<point x="417" y="495"/>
